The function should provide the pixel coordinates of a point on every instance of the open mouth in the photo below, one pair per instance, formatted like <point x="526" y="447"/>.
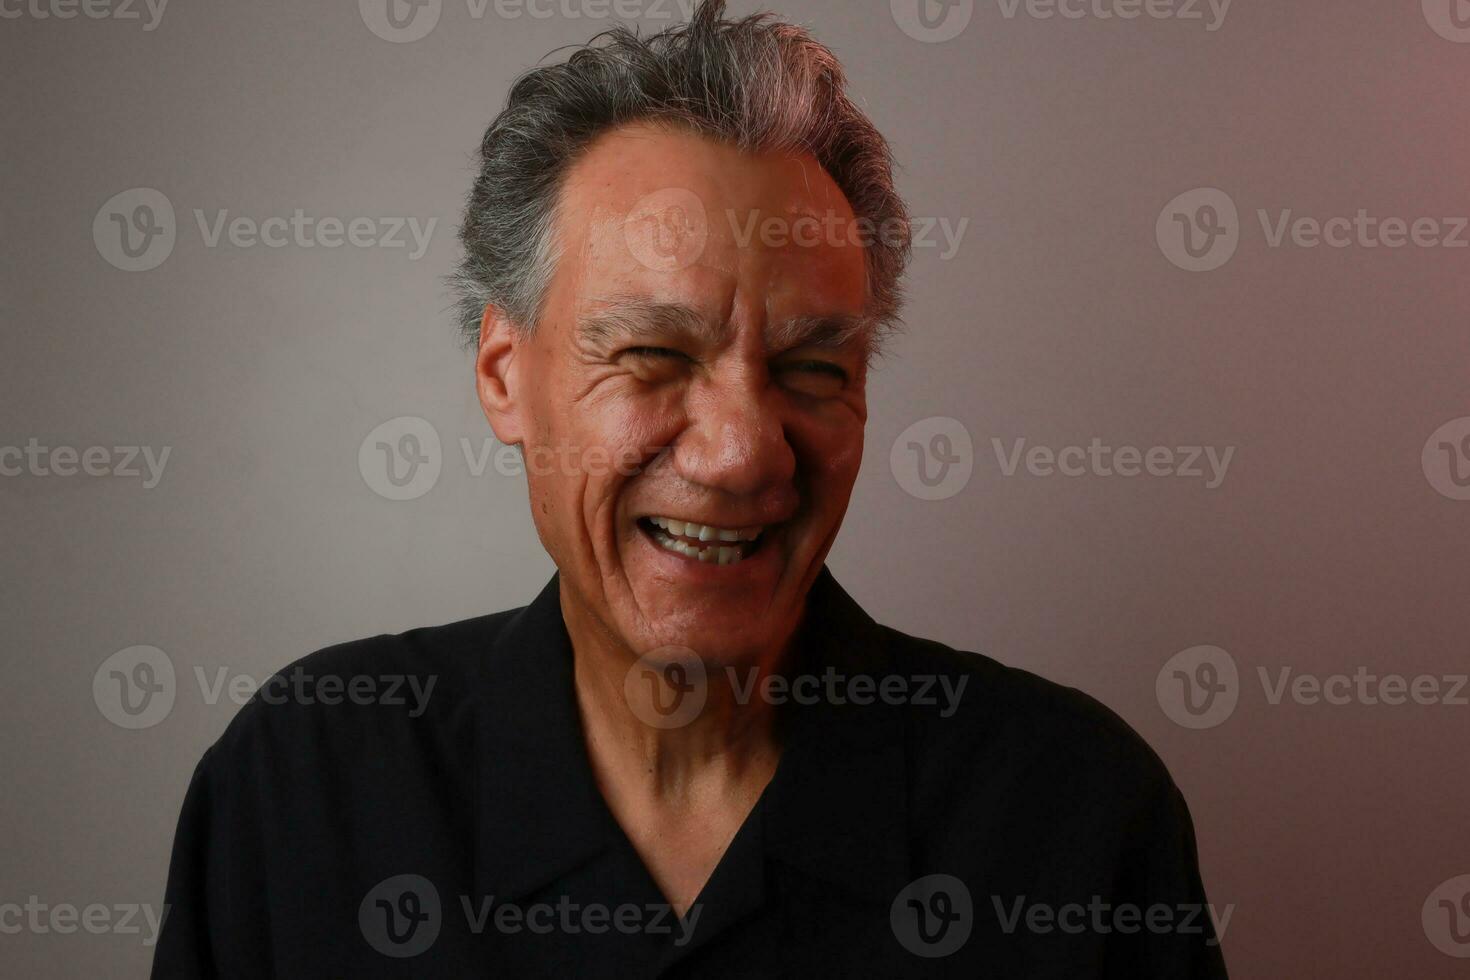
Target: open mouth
<point x="703" y="542"/>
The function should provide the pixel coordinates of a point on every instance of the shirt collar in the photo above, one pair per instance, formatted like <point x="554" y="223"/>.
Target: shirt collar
<point x="835" y="809"/>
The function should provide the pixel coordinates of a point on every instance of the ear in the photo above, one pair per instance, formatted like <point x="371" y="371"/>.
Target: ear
<point x="495" y="375"/>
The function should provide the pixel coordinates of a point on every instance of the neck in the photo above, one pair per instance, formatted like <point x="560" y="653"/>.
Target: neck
<point x="728" y="750"/>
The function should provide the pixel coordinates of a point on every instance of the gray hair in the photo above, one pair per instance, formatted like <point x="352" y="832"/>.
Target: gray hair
<point x="756" y="83"/>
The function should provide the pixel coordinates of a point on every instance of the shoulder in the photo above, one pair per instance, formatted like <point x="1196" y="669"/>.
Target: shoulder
<point x="366" y="697"/>
<point x="1005" y="723"/>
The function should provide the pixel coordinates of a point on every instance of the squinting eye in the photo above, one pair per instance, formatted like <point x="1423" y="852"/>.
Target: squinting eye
<point x="654" y="365"/>
<point x="817" y="367"/>
<point x="655" y="352"/>
<point x="816" y="379"/>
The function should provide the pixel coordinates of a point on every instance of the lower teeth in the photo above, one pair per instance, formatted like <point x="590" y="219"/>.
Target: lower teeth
<point x="716" y="554"/>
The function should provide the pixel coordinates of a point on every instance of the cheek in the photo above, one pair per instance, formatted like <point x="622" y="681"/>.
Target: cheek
<point x="831" y="452"/>
<point x="631" y="421"/>
<point x="589" y="451"/>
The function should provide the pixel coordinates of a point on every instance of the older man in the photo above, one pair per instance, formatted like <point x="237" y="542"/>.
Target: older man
<point x="693" y="754"/>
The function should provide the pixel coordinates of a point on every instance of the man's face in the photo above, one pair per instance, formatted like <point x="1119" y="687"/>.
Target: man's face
<point x="701" y="358"/>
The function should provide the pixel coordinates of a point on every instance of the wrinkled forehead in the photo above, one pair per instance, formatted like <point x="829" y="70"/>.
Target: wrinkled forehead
<point x="678" y="218"/>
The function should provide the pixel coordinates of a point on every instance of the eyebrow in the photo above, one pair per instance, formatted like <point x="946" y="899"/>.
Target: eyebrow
<point x="631" y="317"/>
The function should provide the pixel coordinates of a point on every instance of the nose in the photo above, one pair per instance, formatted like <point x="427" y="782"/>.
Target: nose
<point x="735" y="441"/>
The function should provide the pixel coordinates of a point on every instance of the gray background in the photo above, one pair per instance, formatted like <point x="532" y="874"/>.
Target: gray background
<point x="1059" y="319"/>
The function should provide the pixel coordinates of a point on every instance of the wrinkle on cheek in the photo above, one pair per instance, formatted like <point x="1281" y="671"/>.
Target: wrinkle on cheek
<point x="642" y="422"/>
<point x="598" y="524"/>
<point x="594" y="384"/>
<point x="850" y="459"/>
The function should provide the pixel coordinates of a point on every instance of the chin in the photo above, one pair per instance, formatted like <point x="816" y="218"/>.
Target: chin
<point x="715" y="640"/>
<point x="721" y="650"/>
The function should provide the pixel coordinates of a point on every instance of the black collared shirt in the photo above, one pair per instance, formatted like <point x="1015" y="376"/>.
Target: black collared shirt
<point x="355" y="821"/>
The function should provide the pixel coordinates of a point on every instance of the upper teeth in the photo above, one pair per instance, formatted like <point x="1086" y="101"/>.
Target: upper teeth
<point x="705" y="532"/>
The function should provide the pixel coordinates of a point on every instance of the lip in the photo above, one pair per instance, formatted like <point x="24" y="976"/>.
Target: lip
<point x="764" y="562"/>
<point x="765" y="525"/>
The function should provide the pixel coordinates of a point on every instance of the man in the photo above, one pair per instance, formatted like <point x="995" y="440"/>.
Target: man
<point x="693" y="754"/>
